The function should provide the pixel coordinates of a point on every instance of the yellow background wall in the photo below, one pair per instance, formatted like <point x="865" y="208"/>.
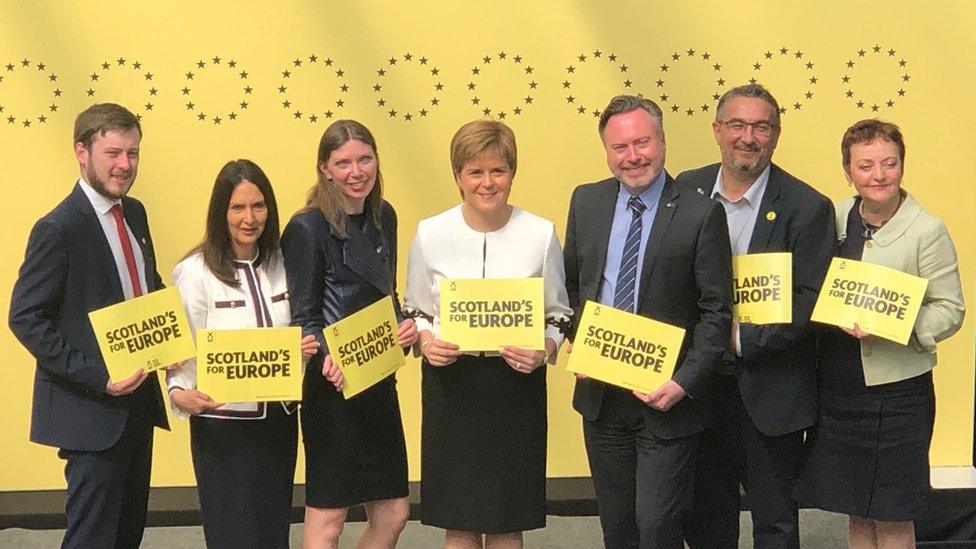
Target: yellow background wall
<point x="559" y="148"/>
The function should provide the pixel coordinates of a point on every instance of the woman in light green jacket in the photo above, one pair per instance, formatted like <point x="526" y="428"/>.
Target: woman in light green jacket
<point x="869" y="454"/>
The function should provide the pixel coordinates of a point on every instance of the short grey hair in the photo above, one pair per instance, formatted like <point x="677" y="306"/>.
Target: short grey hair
<point x="626" y="103"/>
<point x="756" y="91"/>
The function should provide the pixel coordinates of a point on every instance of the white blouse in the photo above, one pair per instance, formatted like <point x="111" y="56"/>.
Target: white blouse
<point x="446" y="247"/>
<point x="260" y="301"/>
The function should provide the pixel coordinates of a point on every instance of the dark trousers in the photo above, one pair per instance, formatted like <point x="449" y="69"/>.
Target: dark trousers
<point x="108" y="491"/>
<point x="245" y="470"/>
<point x="643" y="483"/>
<point x="733" y="450"/>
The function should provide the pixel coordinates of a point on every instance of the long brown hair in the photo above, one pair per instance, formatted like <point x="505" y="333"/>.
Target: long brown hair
<point x="217" y="248"/>
<point x="325" y="195"/>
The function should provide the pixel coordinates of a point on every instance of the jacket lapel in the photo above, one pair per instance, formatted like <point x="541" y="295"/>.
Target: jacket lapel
<point x="101" y="253"/>
<point x="666" y="207"/>
<point x="599" y="230"/>
<point x="140" y="230"/>
<point x="767" y="216"/>
<point x="365" y="253"/>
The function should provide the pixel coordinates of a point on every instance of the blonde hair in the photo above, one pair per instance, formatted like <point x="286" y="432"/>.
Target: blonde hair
<point x="483" y="137"/>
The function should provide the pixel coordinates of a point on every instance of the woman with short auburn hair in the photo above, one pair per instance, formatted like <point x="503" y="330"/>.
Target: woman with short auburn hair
<point x="868" y="455"/>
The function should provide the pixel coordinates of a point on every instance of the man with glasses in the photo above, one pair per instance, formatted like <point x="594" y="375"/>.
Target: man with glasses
<point x="764" y="396"/>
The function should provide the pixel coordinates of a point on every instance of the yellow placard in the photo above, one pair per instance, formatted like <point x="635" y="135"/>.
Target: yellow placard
<point x="762" y="288"/>
<point x="882" y="301"/>
<point x="148" y="332"/>
<point x="488" y="314"/>
<point x="364" y="345"/>
<point x="251" y="365"/>
<point x="624" y="349"/>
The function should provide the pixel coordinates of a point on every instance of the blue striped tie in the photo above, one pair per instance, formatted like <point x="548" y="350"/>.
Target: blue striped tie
<point x="623" y="297"/>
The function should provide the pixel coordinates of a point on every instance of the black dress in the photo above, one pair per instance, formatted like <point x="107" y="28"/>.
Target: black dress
<point x="354" y="449"/>
<point x="869" y="454"/>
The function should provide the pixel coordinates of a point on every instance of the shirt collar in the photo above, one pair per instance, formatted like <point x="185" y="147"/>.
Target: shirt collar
<point x="101" y="203"/>
<point x="752" y="196"/>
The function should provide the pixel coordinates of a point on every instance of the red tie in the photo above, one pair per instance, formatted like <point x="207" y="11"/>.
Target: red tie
<point x="130" y="259"/>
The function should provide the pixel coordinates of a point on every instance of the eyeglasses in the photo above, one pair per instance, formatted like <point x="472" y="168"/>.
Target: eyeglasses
<point x="762" y="127"/>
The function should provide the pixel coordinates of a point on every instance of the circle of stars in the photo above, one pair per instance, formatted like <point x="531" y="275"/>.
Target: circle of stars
<point x="296" y="66"/>
<point x="201" y="65"/>
<point x="879" y="53"/>
<point x="692" y="56"/>
<point x="391" y="64"/>
<point x="581" y="59"/>
<point x="521" y="103"/>
<point x="26" y="65"/>
<point x="796" y="56"/>
<point x="103" y="69"/>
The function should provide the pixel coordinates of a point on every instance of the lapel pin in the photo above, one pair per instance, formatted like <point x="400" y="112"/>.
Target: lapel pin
<point x="379" y="249"/>
<point x="669" y="205"/>
<point x="771" y="216"/>
<point x="701" y="191"/>
<point x="143" y="240"/>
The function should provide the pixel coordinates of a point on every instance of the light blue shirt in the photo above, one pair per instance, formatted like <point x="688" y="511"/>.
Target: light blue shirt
<point x="622" y="217"/>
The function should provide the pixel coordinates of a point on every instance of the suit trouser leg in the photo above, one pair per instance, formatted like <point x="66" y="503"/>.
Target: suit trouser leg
<point x="643" y="483"/>
<point x="719" y="468"/>
<point x="772" y="463"/>
<point x="108" y="491"/>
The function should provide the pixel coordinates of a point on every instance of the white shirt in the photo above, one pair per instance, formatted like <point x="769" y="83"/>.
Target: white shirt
<point x="102" y="206"/>
<point x="741" y="213"/>
<point x="741" y="217"/>
<point x="446" y="247"/>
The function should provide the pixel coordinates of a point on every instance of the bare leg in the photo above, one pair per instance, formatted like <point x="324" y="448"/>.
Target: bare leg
<point x="503" y="541"/>
<point x="385" y="520"/>
<point x="861" y="533"/>
<point x="322" y="527"/>
<point x="895" y="535"/>
<point x="459" y="539"/>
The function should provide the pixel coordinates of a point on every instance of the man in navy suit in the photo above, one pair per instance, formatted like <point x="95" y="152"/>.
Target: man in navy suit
<point x="637" y="243"/>
<point x="93" y="250"/>
<point x="765" y="393"/>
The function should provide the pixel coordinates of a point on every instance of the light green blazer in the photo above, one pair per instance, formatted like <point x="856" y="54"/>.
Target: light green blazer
<point x="917" y="243"/>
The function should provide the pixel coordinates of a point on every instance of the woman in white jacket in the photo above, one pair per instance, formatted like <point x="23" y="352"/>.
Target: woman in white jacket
<point x="243" y="453"/>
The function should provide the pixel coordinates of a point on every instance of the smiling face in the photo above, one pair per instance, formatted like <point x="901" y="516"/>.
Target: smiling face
<point x="111" y="162"/>
<point x="247" y="214"/>
<point x="635" y="149"/>
<point x="352" y="169"/>
<point x="747" y="135"/>
<point x="875" y="170"/>
<point x="485" y="182"/>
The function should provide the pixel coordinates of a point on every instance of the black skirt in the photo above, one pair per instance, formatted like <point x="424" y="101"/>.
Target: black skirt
<point x="354" y="449"/>
<point x="245" y="469"/>
<point x="483" y="447"/>
<point x="869" y="455"/>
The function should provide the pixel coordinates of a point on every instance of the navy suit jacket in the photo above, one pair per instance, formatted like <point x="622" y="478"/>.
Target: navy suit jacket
<point x="69" y="271"/>
<point x="686" y="281"/>
<point x="777" y="371"/>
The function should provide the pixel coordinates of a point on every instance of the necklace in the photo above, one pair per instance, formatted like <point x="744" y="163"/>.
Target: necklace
<point x="869" y="229"/>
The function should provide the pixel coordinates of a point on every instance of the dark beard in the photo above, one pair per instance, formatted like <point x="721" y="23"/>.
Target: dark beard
<point x="92" y="178"/>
